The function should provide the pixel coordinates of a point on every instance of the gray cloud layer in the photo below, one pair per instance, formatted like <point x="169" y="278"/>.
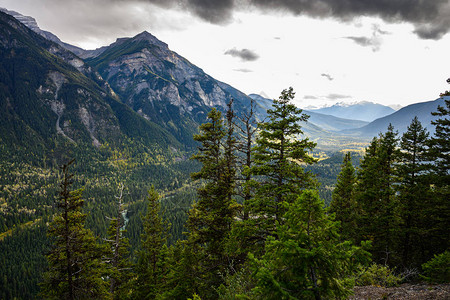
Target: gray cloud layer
<point x="374" y="41"/>
<point x="244" y="54"/>
<point x="431" y="18"/>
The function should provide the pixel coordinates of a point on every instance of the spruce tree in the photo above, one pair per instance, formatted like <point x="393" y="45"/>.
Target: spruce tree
<point x="75" y="260"/>
<point x="151" y="268"/>
<point x="375" y="194"/>
<point x="279" y="156"/>
<point x="413" y="191"/>
<point x="210" y="219"/>
<point x="438" y="208"/>
<point x="343" y="203"/>
<point x="308" y="260"/>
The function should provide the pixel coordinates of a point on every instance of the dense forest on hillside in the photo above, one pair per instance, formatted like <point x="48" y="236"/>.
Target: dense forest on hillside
<point x="253" y="215"/>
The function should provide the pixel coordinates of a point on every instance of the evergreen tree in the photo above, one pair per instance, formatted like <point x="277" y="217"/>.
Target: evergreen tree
<point x="151" y="267"/>
<point x="278" y="157"/>
<point x="440" y="145"/>
<point x="438" y="208"/>
<point x="343" y="203"/>
<point x="210" y="219"/>
<point x="119" y="266"/>
<point x="375" y="195"/>
<point x="75" y="268"/>
<point x="413" y="191"/>
<point x="308" y="259"/>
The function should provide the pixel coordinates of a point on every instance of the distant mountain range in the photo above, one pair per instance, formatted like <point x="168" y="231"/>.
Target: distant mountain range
<point x="401" y="119"/>
<point x="363" y="111"/>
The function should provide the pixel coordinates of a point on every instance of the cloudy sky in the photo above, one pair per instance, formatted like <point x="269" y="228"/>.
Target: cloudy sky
<point x="384" y="51"/>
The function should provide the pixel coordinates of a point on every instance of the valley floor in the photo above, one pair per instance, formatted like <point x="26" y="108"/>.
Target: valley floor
<point x="403" y="292"/>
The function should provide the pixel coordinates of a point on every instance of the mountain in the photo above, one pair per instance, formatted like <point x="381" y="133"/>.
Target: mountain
<point x="45" y="97"/>
<point x="163" y="86"/>
<point x="401" y="119"/>
<point x="319" y="120"/>
<point x="364" y="111"/>
<point x="31" y="23"/>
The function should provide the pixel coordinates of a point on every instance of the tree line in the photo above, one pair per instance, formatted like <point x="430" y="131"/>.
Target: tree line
<point x="258" y="229"/>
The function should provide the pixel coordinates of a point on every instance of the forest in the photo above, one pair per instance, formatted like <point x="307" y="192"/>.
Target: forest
<point x="250" y="223"/>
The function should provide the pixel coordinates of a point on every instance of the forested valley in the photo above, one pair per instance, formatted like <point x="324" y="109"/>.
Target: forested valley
<point x="242" y="219"/>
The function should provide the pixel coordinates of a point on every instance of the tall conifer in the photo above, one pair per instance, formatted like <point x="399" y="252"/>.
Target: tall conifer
<point x="375" y="195"/>
<point x="75" y="267"/>
<point x="279" y="157"/>
<point x="343" y="203"/>
<point x="210" y="219"/>
<point x="151" y="268"/>
<point x="413" y="191"/>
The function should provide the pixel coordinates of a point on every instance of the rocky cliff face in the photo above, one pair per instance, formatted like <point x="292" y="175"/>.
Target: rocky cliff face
<point x="161" y="85"/>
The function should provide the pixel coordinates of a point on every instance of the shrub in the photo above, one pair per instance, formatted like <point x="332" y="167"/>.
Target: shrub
<point x="378" y="275"/>
<point x="437" y="269"/>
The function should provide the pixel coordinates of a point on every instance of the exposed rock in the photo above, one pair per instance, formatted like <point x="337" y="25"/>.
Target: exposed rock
<point x="403" y="292"/>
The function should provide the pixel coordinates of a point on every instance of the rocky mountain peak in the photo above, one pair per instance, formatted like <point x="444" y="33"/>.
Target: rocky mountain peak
<point x="148" y="37"/>
<point x="26" y="20"/>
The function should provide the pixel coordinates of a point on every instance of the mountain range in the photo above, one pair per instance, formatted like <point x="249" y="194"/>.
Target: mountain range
<point x="363" y="111"/>
<point x="135" y="88"/>
<point x="138" y="88"/>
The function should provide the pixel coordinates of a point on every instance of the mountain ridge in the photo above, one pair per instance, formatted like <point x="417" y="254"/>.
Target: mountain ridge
<point x="401" y="119"/>
<point x="363" y="111"/>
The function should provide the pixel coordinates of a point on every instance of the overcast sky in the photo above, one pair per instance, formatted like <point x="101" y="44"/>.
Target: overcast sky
<point x="384" y="51"/>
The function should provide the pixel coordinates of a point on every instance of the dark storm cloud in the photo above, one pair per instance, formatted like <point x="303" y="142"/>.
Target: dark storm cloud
<point x="327" y="76"/>
<point x="244" y="54"/>
<point x="431" y="18"/>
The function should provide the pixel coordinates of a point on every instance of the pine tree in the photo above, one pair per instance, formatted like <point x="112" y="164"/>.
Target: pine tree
<point x="375" y="195"/>
<point x="75" y="268"/>
<point x="343" y="203"/>
<point x="413" y="191"/>
<point x="151" y="267"/>
<point x="119" y="266"/>
<point x="438" y="208"/>
<point x="308" y="259"/>
<point x="210" y="219"/>
<point x="278" y="157"/>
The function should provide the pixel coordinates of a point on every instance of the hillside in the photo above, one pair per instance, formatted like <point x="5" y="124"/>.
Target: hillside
<point x="401" y="119"/>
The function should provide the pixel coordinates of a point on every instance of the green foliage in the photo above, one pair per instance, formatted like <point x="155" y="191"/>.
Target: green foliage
<point x="344" y="205"/>
<point x="377" y="275"/>
<point x="375" y="194"/>
<point x="210" y="218"/>
<point x="437" y="269"/>
<point x="413" y="192"/>
<point x="279" y="156"/>
<point x="307" y="260"/>
<point x="75" y="268"/>
<point x="238" y="285"/>
<point x="151" y="267"/>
